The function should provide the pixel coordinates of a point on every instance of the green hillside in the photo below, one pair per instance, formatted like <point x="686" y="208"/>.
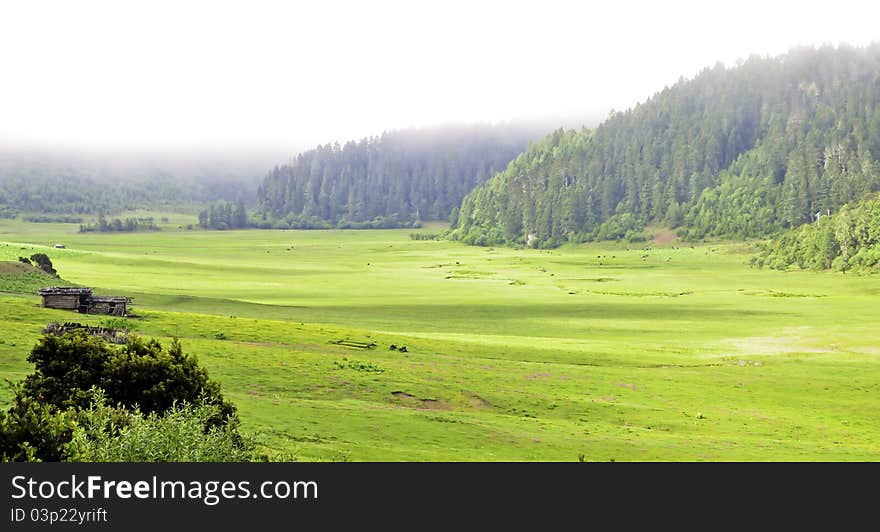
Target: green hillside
<point x="741" y="151"/>
<point x="847" y="240"/>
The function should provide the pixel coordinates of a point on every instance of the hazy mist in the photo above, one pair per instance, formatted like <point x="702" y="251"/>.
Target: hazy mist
<point x="261" y="80"/>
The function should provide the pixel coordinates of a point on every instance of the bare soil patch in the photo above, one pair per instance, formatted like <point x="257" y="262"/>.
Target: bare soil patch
<point x="664" y="236"/>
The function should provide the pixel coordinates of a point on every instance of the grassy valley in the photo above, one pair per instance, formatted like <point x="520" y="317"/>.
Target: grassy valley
<point x="641" y="351"/>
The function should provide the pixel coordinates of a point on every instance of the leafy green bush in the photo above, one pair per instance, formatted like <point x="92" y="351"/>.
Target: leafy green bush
<point x="42" y="261"/>
<point x="137" y="374"/>
<point x="107" y="434"/>
<point x="622" y="226"/>
<point x="120" y="324"/>
<point x="140" y="376"/>
<point x="34" y="431"/>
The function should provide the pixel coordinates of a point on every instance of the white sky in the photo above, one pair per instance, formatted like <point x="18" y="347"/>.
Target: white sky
<point x="135" y="74"/>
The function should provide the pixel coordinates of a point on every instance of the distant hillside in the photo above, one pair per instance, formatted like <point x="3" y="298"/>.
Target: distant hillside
<point x="850" y="239"/>
<point x="389" y="181"/>
<point x="72" y="183"/>
<point x="740" y="151"/>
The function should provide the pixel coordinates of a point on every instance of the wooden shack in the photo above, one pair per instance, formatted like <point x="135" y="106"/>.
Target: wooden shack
<point x="115" y="306"/>
<point x="66" y="298"/>
<point x="83" y="301"/>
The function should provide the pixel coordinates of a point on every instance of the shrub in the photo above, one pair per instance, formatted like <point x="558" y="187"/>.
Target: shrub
<point x="32" y="431"/>
<point x="42" y="261"/>
<point x="140" y="376"/>
<point x="120" y="324"/>
<point x="620" y="226"/>
<point x="106" y="434"/>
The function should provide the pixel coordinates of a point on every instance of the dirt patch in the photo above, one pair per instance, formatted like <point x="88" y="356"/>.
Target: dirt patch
<point x="475" y="401"/>
<point x="410" y="400"/>
<point x="776" y="293"/>
<point x="435" y="404"/>
<point x="787" y="341"/>
<point x="664" y="236"/>
<point x="469" y="274"/>
<point x="18" y="267"/>
<point x="627" y="385"/>
<point x="641" y="294"/>
<point x="403" y="395"/>
<point x="256" y="344"/>
<point x="542" y="375"/>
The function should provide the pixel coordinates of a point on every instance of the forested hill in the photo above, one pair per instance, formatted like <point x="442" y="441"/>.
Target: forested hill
<point x="391" y="180"/>
<point x="736" y="151"/>
<point x="849" y="239"/>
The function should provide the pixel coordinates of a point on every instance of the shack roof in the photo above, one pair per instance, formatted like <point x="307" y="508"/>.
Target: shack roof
<point x="65" y="290"/>
<point x="110" y="299"/>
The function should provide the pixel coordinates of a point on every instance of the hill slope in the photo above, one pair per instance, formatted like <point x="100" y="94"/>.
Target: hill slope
<point x="24" y="278"/>
<point x="391" y="180"/>
<point x="850" y="239"/>
<point x="734" y="152"/>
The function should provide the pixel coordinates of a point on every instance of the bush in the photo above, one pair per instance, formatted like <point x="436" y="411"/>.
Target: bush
<point x="42" y="261"/>
<point x="621" y="226"/>
<point x="139" y="376"/>
<point x="840" y="264"/>
<point x="634" y="236"/>
<point x="106" y="434"/>
<point x="32" y="431"/>
<point x="120" y="324"/>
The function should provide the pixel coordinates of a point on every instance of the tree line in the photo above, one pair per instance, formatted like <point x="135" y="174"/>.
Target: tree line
<point x="392" y="180"/>
<point x="847" y="240"/>
<point x="224" y="215"/>
<point x="118" y="225"/>
<point x="742" y="151"/>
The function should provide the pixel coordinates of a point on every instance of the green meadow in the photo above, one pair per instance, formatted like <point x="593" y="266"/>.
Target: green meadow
<point x="596" y="352"/>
